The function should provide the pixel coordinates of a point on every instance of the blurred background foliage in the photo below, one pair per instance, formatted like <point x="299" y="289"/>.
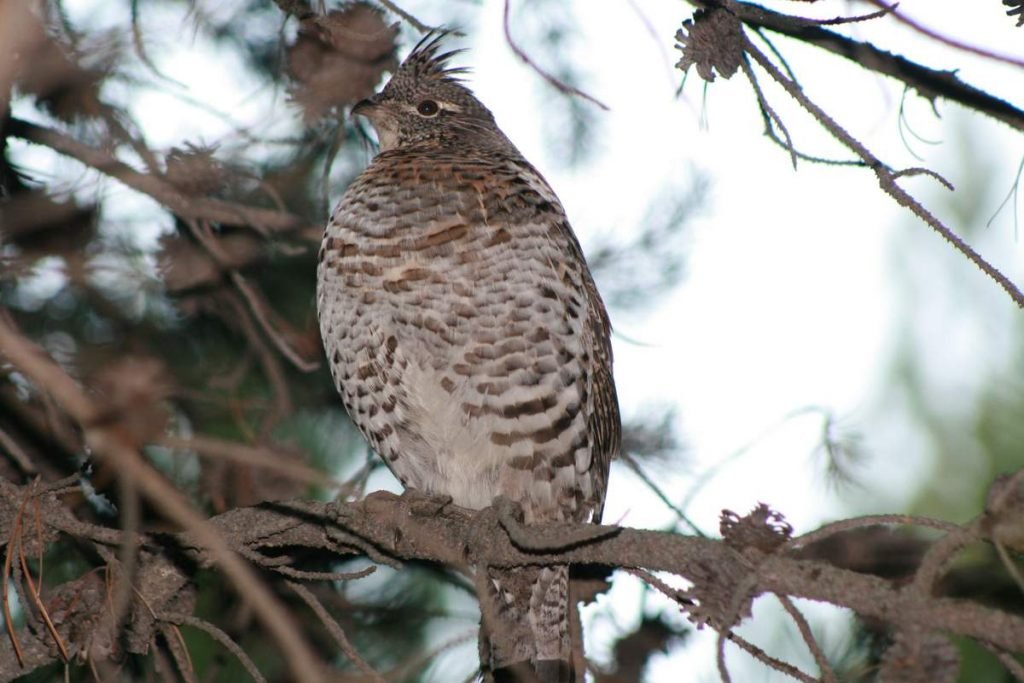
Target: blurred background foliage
<point x="204" y="330"/>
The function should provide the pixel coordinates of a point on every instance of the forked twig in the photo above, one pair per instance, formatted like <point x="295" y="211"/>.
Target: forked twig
<point x="886" y="177"/>
<point x="769" y="114"/>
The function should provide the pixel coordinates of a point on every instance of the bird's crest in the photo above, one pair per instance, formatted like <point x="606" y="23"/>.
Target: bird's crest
<point x="425" y="62"/>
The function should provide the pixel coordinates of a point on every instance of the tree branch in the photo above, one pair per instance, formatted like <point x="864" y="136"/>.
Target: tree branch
<point x="188" y="207"/>
<point x="930" y="83"/>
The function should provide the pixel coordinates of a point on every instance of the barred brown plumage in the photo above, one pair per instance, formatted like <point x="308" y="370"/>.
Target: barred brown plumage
<point x="466" y="335"/>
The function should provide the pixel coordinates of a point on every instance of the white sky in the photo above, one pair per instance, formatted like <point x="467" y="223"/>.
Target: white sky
<point x="788" y="298"/>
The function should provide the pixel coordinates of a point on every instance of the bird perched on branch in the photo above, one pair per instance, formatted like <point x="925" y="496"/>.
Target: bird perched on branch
<point x="468" y="340"/>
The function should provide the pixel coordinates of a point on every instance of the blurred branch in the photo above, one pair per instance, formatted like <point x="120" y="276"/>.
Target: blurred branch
<point x="188" y="207"/>
<point x="264" y="457"/>
<point x="110" y="441"/>
<point x="416" y="23"/>
<point x="559" y="84"/>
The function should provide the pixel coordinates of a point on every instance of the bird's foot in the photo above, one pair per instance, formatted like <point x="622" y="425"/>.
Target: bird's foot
<point x="424" y="503"/>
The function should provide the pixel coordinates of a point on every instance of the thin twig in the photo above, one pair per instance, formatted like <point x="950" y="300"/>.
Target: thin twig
<point x="837" y="21"/>
<point x="140" y="47"/>
<point x="917" y="170"/>
<point x="334" y="628"/>
<point x="262" y="313"/>
<point x="668" y="591"/>
<point x="723" y="670"/>
<point x="37" y="600"/>
<point x="767" y="112"/>
<point x="1009" y="564"/>
<point x="272" y="368"/>
<point x="1011" y="663"/>
<point x="13" y="541"/>
<point x="176" y="646"/>
<point x="945" y="40"/>
<point x="635" y="466"/>
<point x="306" y="575"/>
<point x="765" y="658"/>
<point x="827" y="674"/>
<point x="939" y="555"/>
<point x="1011" y="194"/>
<point x="416" y="23"/>
<point x="14" y="449"/>
<point x="775" y="51"/>
<point x="128" y="551"/>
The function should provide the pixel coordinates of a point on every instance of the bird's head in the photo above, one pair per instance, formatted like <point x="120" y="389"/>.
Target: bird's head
<point x="426" y="102"/>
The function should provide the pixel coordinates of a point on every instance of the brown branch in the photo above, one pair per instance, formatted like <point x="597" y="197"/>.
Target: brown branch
<point x="727" y="575"/>
<point x="188" y="207"/>
<point x="930" y="83"/>
<point x="389" y="526"/>
<point x="458" y="537"/>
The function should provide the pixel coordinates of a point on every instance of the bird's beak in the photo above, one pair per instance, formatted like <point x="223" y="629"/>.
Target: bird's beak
<point x="363" y="107"/>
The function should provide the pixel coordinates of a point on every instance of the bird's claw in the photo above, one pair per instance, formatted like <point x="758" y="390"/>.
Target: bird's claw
<point x="424" y="504"/>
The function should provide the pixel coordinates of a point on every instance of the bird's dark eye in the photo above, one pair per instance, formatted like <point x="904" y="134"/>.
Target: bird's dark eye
<point x="427" y="108"/>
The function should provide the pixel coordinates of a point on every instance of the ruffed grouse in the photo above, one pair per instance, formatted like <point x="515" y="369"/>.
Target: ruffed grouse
<point x="467" y="338"/>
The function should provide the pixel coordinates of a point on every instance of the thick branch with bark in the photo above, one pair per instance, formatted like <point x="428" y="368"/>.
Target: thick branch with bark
<point x="727" y="575"/>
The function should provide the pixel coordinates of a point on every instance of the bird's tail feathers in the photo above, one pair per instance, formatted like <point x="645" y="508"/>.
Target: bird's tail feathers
<point x="526" y="625"/>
